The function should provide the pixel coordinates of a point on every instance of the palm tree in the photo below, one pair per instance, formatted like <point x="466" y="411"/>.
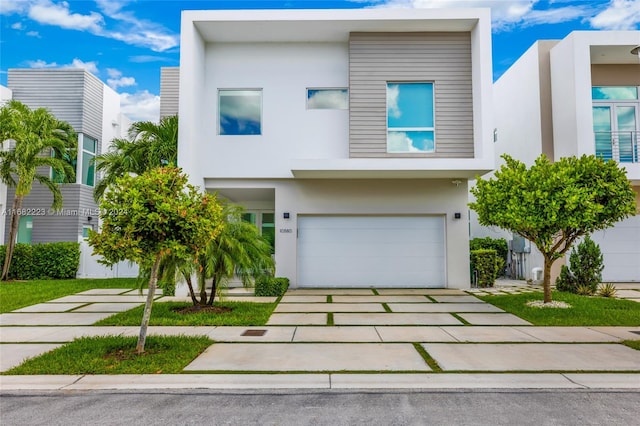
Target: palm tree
<point x="239" y="250"/>
<point x="33" y="136"/>
<point x="151" y="145"/>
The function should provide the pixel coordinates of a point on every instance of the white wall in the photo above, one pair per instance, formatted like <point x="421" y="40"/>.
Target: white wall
<point x="289" y="130"/>
<point x="362" y="197"/>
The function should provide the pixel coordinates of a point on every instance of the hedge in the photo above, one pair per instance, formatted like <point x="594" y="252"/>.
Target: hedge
<point x="487" y="265"/>
<point x="271" y="286"/>
<point x="43" y="261"/>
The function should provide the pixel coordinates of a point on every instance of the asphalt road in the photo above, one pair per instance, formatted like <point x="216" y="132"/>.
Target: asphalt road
<point x="322" y="408"/>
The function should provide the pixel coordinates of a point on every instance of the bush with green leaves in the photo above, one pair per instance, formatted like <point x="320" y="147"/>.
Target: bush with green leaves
<point x="43" y="261"/>
<point x="487" y="266"/>
<point x="271" y="286"/>
<point x="498" y="244"/>
<point x="585" y="269"/>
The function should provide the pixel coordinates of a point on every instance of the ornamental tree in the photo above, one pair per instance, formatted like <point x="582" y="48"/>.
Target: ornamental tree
<point x="553" y="204"/>
<point x="152" y="216"/>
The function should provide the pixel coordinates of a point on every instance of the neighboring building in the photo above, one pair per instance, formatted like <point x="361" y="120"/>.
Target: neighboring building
<point x="169" y="91"/>
<point x="579" y="95"/>
<point x="348" y="135"/>
<point x="5" y="95"/>
<point x="93" y="110"/>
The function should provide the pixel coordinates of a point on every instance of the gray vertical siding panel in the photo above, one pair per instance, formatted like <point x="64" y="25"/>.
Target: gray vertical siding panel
<point x="169" y="90"/>
<point x="443" y="58"/>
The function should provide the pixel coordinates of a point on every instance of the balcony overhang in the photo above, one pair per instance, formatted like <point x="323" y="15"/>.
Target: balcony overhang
<point x="325" y="25"/>
<point x="391" y="168"/>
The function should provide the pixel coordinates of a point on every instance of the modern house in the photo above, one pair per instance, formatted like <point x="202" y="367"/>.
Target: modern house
<point x="93" y="110"/>
<point x="579" y="95"/>
<point x="348" y="135"/>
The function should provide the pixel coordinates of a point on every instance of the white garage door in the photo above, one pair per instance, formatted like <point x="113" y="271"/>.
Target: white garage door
<point x="371" y="251"/>
<point x="620" y="248"/>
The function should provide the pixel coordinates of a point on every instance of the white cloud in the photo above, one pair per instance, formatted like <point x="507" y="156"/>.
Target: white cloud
<point x="505" y="14"/>
<point x="393" y="92"/>
<point x="7" y="7"/>
<point x="17" y="26"/>
<point x="140" y="106"/>
<point x="113" y="22"/>
<point x="116" y="79"/>
<point x="619" y="15"/>
<point x="33" y="34"/>
<point x="90" y="66"/>
<point x="49" y="13"/>
<point x="39" y="63"/>
<point x="328" y="99"/>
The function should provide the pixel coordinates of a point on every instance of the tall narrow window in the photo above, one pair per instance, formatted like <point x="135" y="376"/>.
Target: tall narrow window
<point x="410" y="118"/>
<point x="25" y="226"/>
<point x="89" y="146"/>
<point x="240" y="112"/>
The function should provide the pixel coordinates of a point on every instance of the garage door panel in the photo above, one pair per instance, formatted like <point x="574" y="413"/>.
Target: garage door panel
<point x="371" y="251"/>
<point x="620" y="248"/>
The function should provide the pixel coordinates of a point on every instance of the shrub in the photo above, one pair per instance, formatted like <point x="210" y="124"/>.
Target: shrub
<point x="271" y="286"/>
<point x="585" y="268"/>
<point x="487" y="266"/>
<point x="498" y="244"/>
<point x="607" y="290"/>
<point x="43" y="261"/>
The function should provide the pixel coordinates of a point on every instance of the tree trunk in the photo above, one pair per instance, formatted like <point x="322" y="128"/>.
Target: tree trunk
<point x="203" y="290"/>
<point x="547" y="279"/>
<point x="147" y="307"/>
<point x="187" y="278"/>
<point x="214" y="287"/>
<point x="13" y="235"/>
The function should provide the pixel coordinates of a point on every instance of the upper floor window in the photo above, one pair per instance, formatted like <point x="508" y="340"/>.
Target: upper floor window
<point x="617" y="93"/>
<point x="240" y="112"/>
<point x="410" y="118"/>
<point x="89" y="147"/>
<point x="327" y="99"/>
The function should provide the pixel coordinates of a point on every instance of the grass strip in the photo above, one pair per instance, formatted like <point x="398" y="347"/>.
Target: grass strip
<point x="386" y="307"/>
<point x="459" y="318"/>
<point x="116" y="355"/>
<point x="19" y="294"/>
<point x="329" y="299"/>
<point x="330" y="319"/>
<point x="165" y="314"/>
<point x="375" y="292"/>
<point x="427" y="358"/>
<point x="584" y="311"/>
<point x="634" y="344"/>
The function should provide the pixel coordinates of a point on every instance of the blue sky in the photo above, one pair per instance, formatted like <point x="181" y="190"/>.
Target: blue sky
<point x="125" y="42"/>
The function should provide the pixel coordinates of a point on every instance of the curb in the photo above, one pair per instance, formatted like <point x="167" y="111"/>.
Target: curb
<point x="629" y="382"/>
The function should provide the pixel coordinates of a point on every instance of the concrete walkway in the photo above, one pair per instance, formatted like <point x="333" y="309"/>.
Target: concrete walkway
<point x="341" y="338"/>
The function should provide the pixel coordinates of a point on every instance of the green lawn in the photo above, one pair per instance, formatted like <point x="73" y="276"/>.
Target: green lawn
<point x="162" y="313"/>
<point x="635" y="344"/>
<point x="18" y="294"/>
<point x="585" y="310"/>
<point x="116" y="355"/>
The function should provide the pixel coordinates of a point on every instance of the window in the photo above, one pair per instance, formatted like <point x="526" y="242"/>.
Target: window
<point x="618" y="93"/>
<point x="410" y="118"/>
<point x="265" y="222"/>
<point x="240" y="112"/>
<point x="89" y="146"/>
<point x="25" y="226"/>
<point x="327" y="99"/>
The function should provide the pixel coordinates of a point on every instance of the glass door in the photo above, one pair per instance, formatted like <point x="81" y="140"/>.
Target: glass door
<point x="616" y="132"/>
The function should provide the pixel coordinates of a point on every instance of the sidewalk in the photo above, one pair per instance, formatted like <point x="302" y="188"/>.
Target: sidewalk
<point x="342" y="338"/>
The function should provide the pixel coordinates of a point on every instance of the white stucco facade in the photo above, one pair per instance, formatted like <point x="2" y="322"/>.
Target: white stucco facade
<point x="300" y="163"/>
